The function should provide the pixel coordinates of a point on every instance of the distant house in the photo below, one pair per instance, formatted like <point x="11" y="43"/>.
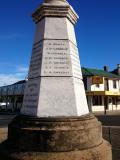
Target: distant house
<point x="117" y="70"/>
<point x="12" y="96"/>
<point x="102" y="89"/>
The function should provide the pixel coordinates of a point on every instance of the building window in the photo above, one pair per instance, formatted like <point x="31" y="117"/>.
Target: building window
<point x="114" y="84"/>
<point x="106" y="83"/>
<point x="114" y="100"/>
<point x="97" y="85"/>
<point x="97" y="100"/>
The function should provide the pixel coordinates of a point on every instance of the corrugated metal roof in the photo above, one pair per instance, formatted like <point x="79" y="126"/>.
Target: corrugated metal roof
<point x="20" y="82"/>
<point x="97" y="72"/>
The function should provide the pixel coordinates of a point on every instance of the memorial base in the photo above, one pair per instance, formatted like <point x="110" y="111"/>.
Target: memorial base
<point x="74" y="138"/>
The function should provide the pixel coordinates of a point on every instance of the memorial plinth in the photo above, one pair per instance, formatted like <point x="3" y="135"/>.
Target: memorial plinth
<point x="55" y="123"/>
<point x="55" y="87"/>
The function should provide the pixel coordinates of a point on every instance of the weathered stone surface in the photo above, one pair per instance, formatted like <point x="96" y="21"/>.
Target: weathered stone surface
<point x="57" y="138"/>
<point x="45" y="100"/>
<point x="55" y="87"/>
<point x="55" y="8"/>
<point x="54" y="134"/>
<point x="101" y="152"/>
<point x="55" y="91"/>
<point x="56" y="1"/>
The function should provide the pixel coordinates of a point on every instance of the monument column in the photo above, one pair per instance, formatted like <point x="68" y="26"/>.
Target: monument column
<point x="55" y="122"/>
<point x="55" y="84"/>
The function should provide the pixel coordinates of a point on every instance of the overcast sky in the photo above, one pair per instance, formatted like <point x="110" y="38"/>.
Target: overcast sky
<point x="97" y="32"/>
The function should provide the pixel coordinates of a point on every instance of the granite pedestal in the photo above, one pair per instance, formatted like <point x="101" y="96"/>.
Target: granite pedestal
<point x="55" y="123"/>
<point x="73" y="138"/>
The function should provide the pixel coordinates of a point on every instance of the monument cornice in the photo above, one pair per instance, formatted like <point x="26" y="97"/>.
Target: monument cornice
<point x="51" y="10"/>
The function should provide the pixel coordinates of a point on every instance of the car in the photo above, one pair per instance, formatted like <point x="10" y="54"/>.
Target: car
<point x="2" y="106"/>
<point x="10" y="107"/>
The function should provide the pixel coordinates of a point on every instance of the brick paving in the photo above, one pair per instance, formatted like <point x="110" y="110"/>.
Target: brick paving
<point x="111" y="130"/>
<point x="3" y="137"/>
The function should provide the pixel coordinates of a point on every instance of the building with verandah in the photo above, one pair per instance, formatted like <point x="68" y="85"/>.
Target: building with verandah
<point x="102" y="89"/>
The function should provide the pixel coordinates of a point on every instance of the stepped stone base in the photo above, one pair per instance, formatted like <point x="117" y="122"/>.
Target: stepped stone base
<point x="74" y="138"/>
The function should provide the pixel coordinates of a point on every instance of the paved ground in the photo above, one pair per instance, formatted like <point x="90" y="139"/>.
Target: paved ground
<point x="109" y="120"/>
<point x="108" y="113"/>
<point x="112" y="121"/>
<point x="112" y="118"/>
<point x="5" y="119"/>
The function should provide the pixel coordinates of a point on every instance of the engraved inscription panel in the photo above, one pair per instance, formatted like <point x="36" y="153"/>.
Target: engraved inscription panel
<point x="36" y="60"/>
<point x="31" y="95"/>
<point x="56" y="58"/>
<point x="75" y="61"/>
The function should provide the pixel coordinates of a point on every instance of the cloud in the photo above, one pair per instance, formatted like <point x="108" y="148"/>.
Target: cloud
<point x="22" y="69"/>
<point x="7" y="79"/>
<point x="20" y="74"/>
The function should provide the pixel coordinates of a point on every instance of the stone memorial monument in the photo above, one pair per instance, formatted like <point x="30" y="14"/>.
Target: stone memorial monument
<point x="55" y="123"/>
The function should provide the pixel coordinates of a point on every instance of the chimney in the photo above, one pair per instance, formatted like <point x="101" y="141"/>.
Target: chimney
<point x="118" y="69"/>
<point x="106" y="68"/>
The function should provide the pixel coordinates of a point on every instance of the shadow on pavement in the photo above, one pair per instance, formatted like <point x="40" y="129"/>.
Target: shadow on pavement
<point x="3" y="151"/>
<point x="109" y="120"/>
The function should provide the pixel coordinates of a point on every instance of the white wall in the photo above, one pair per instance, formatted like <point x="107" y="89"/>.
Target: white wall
<point x="93" y="87"/>
<point x="111" y="86"/>
<point x="97" y="108"/>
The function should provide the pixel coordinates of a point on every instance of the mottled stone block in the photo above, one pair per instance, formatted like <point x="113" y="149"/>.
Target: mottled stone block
<point x="75" y="138"/>
<point x="101" y="152"/>
<point x="115" y="137"/>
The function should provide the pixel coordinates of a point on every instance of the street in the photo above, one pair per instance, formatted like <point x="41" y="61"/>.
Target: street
<point x="112" y="118"/>
<point x="5" y="119"/>
<point x="109" y="120"/>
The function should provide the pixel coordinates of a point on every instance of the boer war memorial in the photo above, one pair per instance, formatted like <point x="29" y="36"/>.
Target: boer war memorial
<point x="55" y="123"/>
